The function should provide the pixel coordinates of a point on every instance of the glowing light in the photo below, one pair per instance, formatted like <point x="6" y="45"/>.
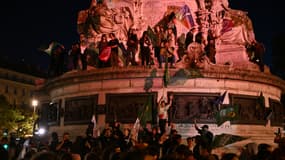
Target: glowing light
<point x="35" y="102"/>
<point x="41" y="131"/>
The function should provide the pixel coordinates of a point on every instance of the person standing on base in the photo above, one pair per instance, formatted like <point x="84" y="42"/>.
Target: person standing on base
<point x="162" y="113"/>
<point x="114" y="44"/>
<point x="132" y="47"/>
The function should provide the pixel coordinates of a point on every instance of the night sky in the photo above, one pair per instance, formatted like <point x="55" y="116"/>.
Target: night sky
<point x="27" y="25"/>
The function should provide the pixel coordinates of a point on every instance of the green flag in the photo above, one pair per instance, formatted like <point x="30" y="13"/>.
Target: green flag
<point x="146" y="114"/>
<point x="182" y="75"/>
<point x="152" y="36"/>
<point x="224" y="139"/>
<point x="166" y="76"/>
<point x="228" y="113"/>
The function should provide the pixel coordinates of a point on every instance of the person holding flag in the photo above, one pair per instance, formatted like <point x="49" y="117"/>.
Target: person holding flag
<point x="57" y="52"/>
<point x="91" y="134"/>
<point x="104" y="52"/>
<point x="144" y="116"/>
<point x="162" y="113"/>
<point x="114" y="44"/>
<point x="207" y="136"/>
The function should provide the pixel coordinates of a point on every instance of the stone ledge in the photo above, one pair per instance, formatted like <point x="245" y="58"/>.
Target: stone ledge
<point x="213" y="72"/>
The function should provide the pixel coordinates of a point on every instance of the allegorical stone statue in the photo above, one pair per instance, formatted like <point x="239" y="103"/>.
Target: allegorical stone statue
<point x="231" y="30"/>
<point x="228" y="25"/>
<point x="100" y="19"/>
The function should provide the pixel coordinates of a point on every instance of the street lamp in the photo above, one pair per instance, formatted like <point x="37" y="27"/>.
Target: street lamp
<point x="35" y="104"/>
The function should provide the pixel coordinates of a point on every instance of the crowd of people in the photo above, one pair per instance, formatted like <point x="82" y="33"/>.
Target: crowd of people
<point x="153" y="48"/>
<point x="116" y="143"/>
<point x="111" y="52"/>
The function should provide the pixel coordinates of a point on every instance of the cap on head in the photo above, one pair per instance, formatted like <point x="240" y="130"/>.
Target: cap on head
<point x="205" y="127"/>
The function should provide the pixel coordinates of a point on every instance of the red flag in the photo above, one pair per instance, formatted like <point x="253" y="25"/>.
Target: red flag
<point x="105" y="54"/>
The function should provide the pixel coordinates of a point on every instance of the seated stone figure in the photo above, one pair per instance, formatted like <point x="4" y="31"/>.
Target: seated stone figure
<point x="232" y="32"/>
<point x="237" y="28"/>
<point x="230" y="26"/>
<point x="99" y="19"/>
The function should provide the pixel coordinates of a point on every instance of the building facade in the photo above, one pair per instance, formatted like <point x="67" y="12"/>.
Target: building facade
<point x="18" y="88"/>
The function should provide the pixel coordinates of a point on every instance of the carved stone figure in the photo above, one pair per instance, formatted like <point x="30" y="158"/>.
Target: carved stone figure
<point x="201" y="4"/>
<point x="195" y="57"/>
<point x="99" y="19"/>
<point x="230" y="26"/>
<point x="231" y="29"/>
<point x="240" y="31"/>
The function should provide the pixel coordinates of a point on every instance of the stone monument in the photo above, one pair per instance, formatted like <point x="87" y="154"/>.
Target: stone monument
<point x="231" y="30"/>
<point x="117" y="94"/>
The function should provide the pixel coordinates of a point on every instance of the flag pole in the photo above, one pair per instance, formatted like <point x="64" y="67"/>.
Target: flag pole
<point x="138" y="120"/>
<point x="135" y="126"/>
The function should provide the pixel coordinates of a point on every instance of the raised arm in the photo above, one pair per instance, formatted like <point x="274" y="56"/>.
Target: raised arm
<point x="195" y="124"/>
<point x="170" y="99"/>
<point x="170" y="102"/>
<point x="161" y="99"/>
<point x="58" y="147"/>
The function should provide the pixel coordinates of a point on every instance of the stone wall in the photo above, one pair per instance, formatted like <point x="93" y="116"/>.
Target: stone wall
<point x="131" y="81"/>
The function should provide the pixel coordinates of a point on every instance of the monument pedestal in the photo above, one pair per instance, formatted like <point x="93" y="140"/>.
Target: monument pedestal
<point x="231" y="54"/>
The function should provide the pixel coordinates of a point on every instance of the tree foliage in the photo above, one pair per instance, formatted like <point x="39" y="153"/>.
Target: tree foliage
<point x="15" y="119"/>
